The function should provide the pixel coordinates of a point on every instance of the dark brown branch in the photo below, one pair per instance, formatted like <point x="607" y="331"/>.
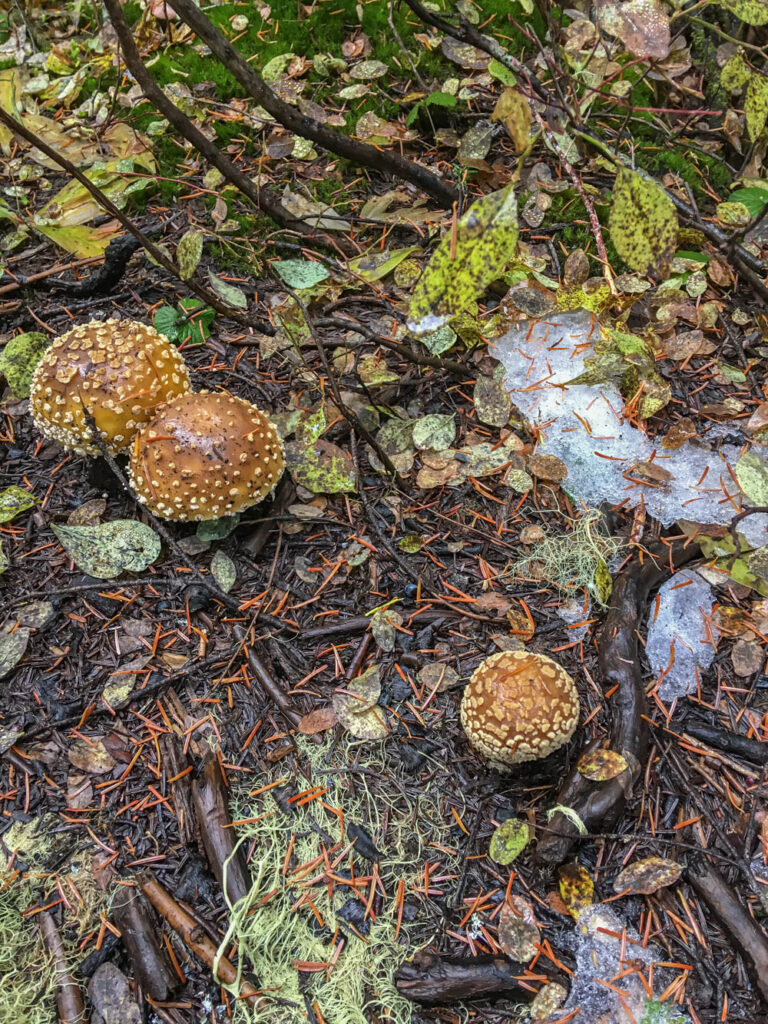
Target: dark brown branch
<point x="196" y="940"/>
<point x="150" y="963"/>
<point x="342" y="145"/>
<point x="216" y="834"/>
<point x="599" y="804"/>
<point x="204" y="294"/>
<point x="755" y="751"/>
<point x="258" y="196"/>
<point x="746" y="935"/>
<point x="430" y="978"/>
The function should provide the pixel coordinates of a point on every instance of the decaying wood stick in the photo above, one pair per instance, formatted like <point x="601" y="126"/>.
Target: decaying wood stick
<point x="194" y="937"/>
<point x="747" y="936"/>
<point x="149" y="961"/>
<point x="216" y="835"/>
<point x="430" y="978"/>
<point x="599" y="804"/>
<point x="755" y="751"/>
<point x="69" y="998"/>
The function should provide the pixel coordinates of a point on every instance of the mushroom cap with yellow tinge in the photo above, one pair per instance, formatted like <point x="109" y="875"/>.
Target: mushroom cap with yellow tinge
<point x="204" y="456"/>
<point x="519" y="706"/>
<point x="115" y="371"/>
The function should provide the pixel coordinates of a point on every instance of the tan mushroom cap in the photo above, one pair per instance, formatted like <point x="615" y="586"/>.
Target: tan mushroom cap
<point x="519" y="706"/>
<point x="119" y="370"/>
<point x="205" y="456"/>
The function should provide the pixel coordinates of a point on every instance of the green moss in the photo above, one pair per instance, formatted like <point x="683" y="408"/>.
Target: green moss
<point x="567" y="208"/>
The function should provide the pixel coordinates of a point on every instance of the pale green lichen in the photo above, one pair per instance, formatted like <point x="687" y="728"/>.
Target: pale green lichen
<point x="273" y="935"/>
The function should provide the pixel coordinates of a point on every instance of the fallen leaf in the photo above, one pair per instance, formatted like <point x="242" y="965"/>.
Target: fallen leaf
<point x="643" y="223"/>
<point x="13" y="501"/>
<point x="13" y="646"/>
<point x="576" y="888"/>
<point x="647" y="876"/>
<point x="322" y="467"/>
<point x="548" y="467"/>
<point x="642" y="25"/>
<point x="19" y="359"/>
<point x="509" y="840"/>
<point x="87" y="514"/>
<point x="492" y="402"/>
<point x="318" y="720"/>
<point x="383" y="627"/>
<point x="466" y="261"/>
<point x="601" y="765"/>
<point x="519" y="935"/>
<point x="92" y="757"/>
<point x="224" y="571"/>
<point x="437" y="676"/>
<point x="106" y="550"/>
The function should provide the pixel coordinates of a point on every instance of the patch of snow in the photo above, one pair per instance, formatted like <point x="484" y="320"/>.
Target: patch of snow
<point x="582" y="425"/>
<point x="681" y="640"/>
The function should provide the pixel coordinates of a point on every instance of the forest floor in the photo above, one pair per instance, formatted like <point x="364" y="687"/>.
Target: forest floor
<point x="147" y="715"/>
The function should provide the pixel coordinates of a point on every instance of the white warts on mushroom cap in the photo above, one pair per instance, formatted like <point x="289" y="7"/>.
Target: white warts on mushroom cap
<point x="204" y="456"/>
<point x="115" y="371"/>
<point x="519" y="706"/>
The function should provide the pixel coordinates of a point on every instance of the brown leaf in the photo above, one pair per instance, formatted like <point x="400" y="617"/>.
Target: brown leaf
<point x="747" y="658"/>
<point x="641" y="25"/>
<point x="548" y="467"/>
<point x="318" y="721"/>
<point x="88" y="514"/>
<point x="679" y="433"/>
<point x="647" y="876"/>
<point x="92" y="756"/>
<point x="519" y="936"/>
<point x="651" y="473"/>
<point x="576" y="270"/>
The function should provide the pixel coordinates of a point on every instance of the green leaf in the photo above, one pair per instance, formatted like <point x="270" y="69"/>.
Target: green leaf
<point x="12" y="649"/>
<point x="106" y="550"/>
<point x="224" y="571"/>
<point x="735" y="74"/>
<point x="195" y="331"/>
<point x="458" y="274"/>
<point x="439" y="341"/>
<point x="188" y="252"/>
<point x="19" y="359"/>
<point x="300" y="274"/>
<point x="441" y="99"/>
<point x="754" y="12"/>
<point x="375" y="266"/>
<point x="643" y="223"/>
<point x="756" y="106"/>
<point x="752" y="476"/>
<point x="435" y="431"/>
<point x="509" y="840"/>
<point x="322" y="467"/>
<point x="501" y="73"/>
<point x="230" y="293"/>
<point x="754" y="199"/>
<point x="217" y="529"/>
<point x="14" y="500"/>
<point x="164" y="321"/>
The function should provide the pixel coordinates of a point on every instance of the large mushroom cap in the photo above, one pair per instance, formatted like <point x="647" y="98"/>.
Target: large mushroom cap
<point x="205" y="456"/>
<point x="119" y="370"/>
<point x="519" y="706"/>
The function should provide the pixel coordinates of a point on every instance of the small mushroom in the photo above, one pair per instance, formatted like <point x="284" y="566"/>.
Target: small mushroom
<point x="204" y="456"/>
<point x="519" y="706"/>
<point x="117" y="370"/>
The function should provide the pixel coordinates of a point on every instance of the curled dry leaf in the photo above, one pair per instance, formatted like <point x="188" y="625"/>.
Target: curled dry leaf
<point x="519" y="935"/>
<point x="91" y="756"/>
<point x="601" y="765"/>
<point x="647" y="876"/>
<point x="12" y="649"/>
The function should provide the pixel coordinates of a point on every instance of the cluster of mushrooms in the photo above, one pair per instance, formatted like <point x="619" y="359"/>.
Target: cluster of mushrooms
<point x="193" y="455"/>
<point x="204" y="455"/>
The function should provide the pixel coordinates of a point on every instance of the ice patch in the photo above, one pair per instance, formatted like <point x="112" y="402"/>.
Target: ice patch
<point x="582" y="425"/>
<point x="680" y="639"/>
